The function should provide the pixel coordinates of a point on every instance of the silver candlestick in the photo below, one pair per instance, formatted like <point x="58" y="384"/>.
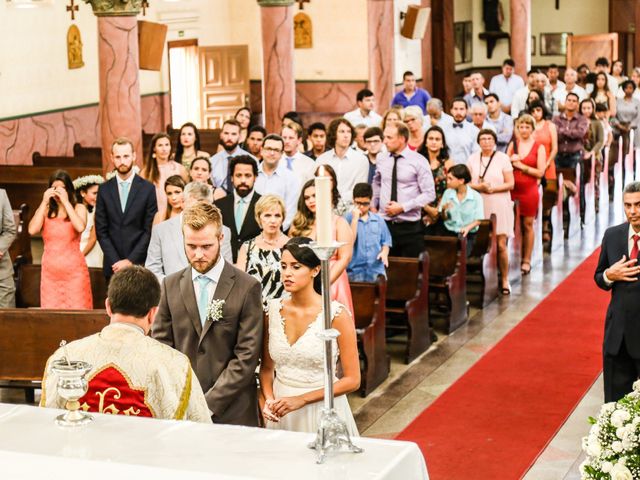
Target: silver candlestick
<point x="72" y="385"/>
<point x="332" y="432"/>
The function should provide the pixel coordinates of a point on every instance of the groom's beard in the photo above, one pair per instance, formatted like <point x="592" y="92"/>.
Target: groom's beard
<point x="203" y="266"/>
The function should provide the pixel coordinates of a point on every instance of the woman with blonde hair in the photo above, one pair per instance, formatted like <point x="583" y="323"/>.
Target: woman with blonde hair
<point x="392" y="116"/>
<point x="260" y="256"/>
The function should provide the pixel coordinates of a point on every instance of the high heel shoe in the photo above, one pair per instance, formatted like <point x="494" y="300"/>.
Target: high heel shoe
<point x="523" y="270"/>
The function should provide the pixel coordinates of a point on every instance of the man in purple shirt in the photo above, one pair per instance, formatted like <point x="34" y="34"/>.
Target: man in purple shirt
<point x="410" y="94"/>
<point x="402" y="185"/>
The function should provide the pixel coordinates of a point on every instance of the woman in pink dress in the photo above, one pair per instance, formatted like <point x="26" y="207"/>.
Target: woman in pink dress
<point x="159" y="166"/>
<point x="492" y="176"/>
<point x="64" y="280"/>
<point x="304" y="225"/>
<point x="528" y="158"/>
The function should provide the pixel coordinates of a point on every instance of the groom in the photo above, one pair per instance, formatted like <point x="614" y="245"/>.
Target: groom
<point x="212" y="312"/>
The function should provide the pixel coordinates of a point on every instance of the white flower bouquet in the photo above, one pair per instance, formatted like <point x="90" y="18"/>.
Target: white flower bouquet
<point x="613" y="444"/>
<point x="214" y="310"/>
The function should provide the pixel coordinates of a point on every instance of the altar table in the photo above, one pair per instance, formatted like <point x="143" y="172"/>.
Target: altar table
<point x="119" y="447"/>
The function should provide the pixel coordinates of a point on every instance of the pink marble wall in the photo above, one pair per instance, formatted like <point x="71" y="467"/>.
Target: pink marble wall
<point x="55" y="133"/>
<point x="381" y="61"/>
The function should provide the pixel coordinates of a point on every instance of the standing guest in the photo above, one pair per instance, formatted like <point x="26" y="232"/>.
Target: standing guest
<point x="358" y="144"/>
<point x="570" y="86"/>
<point x="154" y="380"/>
<point x="7" y="236"/>
<point x="435" y="150"/>
<point x="436" y="114"/>
<point x="340" y="207"/>
<point x="461" y="207"/>
<point x="124" y="212"/>
<point x="318" y="135"/>
<point x="166" y="253"/>
<point x="159" y="166"/>
<point x="292" y="368"/>
<point x="413" y="120"/>
<point x="478" y="92"/>
<point x="243" y="117"/>
<point x="391" y="116"/>
<point x="365" y="114"/>
<point x="627" y="115"/>
<point x="519" y="100"/>
<point x="410" y="94"/>
<point x="478" y="112"/>
<point x="373" y="139"/>
<point x="501" y="122"/>
<point x="230" y="140"/>
<point x="467" y="86"/>
<point x="555" y="84"/>
<point x="201" y="172"/>
<point x="572" y="128"/>
<point x="592" y="153"/>
<point x="492" y="176"/>
<point x="602" y="66"/>
<point x="402" y="185"/>
<point x="602" y="114"/>
<point x="212" y="312"/>
<point x="535" y="95"/>
<point x="617" y="71"/>
<point x="528" y="158"/>
<point x="296" y="161"/>
<point x="461" y="135"/>
<point x="238" y="210"/>
<point x="304" y="225"/>
<point x="260" y="256"/>
<point x="372" y="238"/>
<point x="188" y="146"/>
<point x="583" y="73"/>
<point x="87" y="193"/>
<point x="350" y="166"/>
<point x="506" y="84"/>
<point x="618" y="271"/>
<point x="65" y="277"/>
<point x="274" y="177"/>
<point x="254" y="140"/>
<point x="603" y="94"/>
<point x="635" y="78"/>
<point x="173" y="189"/>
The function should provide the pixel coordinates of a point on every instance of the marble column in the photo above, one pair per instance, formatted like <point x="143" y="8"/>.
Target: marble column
<point x="443" y="58"/>
<point x="119" y="75"/>
<point x="427" y="52"/>
<point x="381" y="44"/>
<point x="278" y="78"/>
<point x="521" y="35"/>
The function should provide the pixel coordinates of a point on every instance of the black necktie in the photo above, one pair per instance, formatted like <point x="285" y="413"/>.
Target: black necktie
<point x="457" y="125"/>
<point x="394" y="179"/>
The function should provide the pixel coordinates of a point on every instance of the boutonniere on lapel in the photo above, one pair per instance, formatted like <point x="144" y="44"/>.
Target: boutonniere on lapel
<point x="214" y="310"/>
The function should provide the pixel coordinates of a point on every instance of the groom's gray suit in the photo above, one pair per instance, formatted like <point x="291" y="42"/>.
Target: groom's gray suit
<point x="224" y="354"/>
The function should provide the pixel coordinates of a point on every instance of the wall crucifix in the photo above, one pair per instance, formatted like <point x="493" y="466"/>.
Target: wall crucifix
<point x="73" y="8"/>
<point x="301" y="3"/>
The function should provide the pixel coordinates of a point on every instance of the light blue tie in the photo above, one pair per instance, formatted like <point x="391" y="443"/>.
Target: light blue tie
<point x="290" y="163"/>
<point x="203" y="297"/>
<point x="124" y="194"/>
<point x="239" y="214"/>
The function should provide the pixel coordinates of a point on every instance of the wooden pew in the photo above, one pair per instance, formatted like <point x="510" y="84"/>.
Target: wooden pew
<point x="92" y="153"/>
<point x="482" y="265"/>
<point x="447" y="279"/>
<point x="408" y="298"/>
<point x="82" y="157"/>
<point x="369" y="303"/>
<point x="29" y="336"/>
<point x="20" y="250"/>
<point x="28" y="286"/>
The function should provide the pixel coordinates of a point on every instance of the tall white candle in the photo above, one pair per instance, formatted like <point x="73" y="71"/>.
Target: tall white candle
<point x="323" y="211"/>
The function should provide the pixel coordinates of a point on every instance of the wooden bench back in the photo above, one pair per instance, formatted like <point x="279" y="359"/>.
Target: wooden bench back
<point x="404" y="276"/>
<point x="484" y="236"/>
<point x="29" y="337"/>
<point x="443" y="255"/>
<point x="368" y="301"/>
<point x="21" y="246"/>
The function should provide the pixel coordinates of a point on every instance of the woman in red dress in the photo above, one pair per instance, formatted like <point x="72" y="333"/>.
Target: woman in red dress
<point x="528" y="158"/>
<point x="64" y="280"/>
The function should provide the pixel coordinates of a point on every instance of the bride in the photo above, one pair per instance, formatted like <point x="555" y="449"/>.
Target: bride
<point x="292" y="373"/>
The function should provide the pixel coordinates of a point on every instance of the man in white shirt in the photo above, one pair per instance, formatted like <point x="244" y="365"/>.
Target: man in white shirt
<point x="519" y="101"/>
<point x="364" y="114"/>
<point x="274" y="177"/>
<point x="295" y="160"/>
<point x="229" y="139"/>
<point x="461" y="135"/>
<point x="351" y="167"/>
<point x="570" y="86"/>
<point x="506" y="84"/>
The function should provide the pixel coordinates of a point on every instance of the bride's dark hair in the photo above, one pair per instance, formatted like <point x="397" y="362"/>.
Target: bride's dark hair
<point x="298" y="248"/>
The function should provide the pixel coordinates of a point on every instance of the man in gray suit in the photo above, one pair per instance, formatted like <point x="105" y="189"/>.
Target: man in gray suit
<point x="7" y="235"/>
<point x="166" y="248"/>
<point x="212" y="312"/>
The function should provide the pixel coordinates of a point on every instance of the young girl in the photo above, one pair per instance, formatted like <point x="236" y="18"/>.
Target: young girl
<point x="87" y="194"/>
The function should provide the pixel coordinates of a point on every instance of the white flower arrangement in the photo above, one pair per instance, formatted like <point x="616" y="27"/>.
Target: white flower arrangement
<point x="214" y="310"/>
<point x="87" y="180"/>
<point x="613" y="443"/>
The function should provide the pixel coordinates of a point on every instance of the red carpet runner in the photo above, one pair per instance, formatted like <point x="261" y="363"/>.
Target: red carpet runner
<point x="499" y="416"/>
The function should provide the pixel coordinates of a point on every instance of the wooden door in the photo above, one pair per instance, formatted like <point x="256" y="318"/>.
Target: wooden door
<point x="586" y="48"/>
<point x="224" y="83"/>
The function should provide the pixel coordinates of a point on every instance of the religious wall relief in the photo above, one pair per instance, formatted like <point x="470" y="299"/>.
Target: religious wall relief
<point x="74" y="48"/>
<point x="303" y="31"/>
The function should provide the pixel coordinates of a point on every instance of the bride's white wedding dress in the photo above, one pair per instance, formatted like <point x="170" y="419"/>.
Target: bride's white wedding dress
<point x="299" y="368"/>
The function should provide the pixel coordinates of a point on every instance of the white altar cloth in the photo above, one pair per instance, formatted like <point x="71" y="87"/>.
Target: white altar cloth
<point x="119" y="447"/>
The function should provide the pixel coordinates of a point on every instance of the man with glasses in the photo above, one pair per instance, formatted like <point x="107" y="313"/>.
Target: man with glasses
<point x="373" y="141"/>
<point x="275" y="178"/>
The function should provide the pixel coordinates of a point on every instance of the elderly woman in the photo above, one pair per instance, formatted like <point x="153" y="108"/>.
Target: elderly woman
<point x="260" y="256"/>
<point x="413" y="118"/>
<point x="492" y="176"/>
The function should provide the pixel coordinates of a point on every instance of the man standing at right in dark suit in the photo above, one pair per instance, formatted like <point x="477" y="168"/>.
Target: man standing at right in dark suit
<point x="618" y="271"/>
<point x="124" y="212"/>
<point x="238" y="210"/>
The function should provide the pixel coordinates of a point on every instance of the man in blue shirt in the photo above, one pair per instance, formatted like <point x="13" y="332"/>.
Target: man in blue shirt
<point x="373" y="239"/>
<point x="410" y="94"/>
